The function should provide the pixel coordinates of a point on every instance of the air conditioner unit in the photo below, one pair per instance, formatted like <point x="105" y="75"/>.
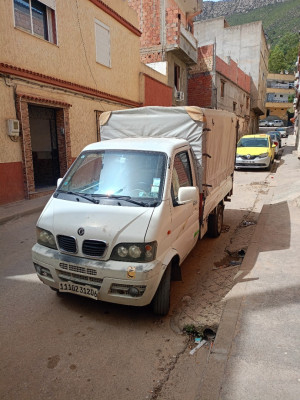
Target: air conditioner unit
<point x="179" y="96"/>
<point x="13" y="127"/>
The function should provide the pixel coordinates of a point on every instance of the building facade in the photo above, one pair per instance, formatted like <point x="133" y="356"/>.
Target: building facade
<point x="213" y="83"/>
<point x="61" y="65"/>
<point x="167" y="40"/>
<point x="280" y="96"/>
<point x="246" y="45"/>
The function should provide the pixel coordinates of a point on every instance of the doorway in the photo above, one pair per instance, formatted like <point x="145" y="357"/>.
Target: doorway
<point x="44" y="144"/>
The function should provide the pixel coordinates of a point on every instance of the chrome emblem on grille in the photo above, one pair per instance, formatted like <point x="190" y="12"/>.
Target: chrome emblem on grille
<point x="80" y="231"/>
<point x="248" y="156"/>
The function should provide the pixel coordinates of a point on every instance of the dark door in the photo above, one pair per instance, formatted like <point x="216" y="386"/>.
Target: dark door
<point x="45" y="155"/>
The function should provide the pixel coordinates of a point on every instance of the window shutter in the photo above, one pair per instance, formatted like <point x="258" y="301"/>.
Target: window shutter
<point x="102" y="34"/>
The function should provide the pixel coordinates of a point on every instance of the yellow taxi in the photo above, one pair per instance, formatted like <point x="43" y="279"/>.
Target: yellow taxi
<point x="255" y="151"/>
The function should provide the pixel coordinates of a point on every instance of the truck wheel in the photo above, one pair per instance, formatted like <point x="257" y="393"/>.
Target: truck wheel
<point x="215" y="222"/>
<point x="161" y="300"/>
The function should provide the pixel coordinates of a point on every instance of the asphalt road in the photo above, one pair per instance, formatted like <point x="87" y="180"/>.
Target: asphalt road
<point x="68" y="347"/>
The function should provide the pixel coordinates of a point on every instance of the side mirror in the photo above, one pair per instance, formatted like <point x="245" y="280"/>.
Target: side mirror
<point x="188" y="194"/>
<point x="58" y="181"/>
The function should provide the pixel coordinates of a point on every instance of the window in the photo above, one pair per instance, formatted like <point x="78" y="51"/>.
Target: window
<point x="37" y="18"/>
<point x="222" y="88"/>
<point x="247" y="102"/>
<point x="102" y="39"/>
<point x="177" y="77"/>
<point x="234" y="106"/>
<point x="181" y="174"/>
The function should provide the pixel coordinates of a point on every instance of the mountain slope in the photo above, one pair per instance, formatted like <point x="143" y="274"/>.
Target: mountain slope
<point x="278" y="19"/>
<point x="278" y="16"/>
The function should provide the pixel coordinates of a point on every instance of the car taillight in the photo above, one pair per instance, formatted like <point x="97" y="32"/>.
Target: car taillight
<point x="276" y="143"/>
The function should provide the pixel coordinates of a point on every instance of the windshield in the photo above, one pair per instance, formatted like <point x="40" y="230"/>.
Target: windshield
<point x="253" y="142"/>
<point x="122" y="174"/>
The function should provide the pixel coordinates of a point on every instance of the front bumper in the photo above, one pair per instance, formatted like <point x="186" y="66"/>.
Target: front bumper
<point x="255" y="162"/>
<point x="113" y="280"/>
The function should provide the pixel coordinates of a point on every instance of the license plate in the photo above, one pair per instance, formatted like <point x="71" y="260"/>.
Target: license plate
<point x="250" y="162"/>
<point x="75" y="288"/>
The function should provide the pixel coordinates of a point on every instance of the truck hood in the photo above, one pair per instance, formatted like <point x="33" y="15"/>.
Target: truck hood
<point x="111" y="224"/>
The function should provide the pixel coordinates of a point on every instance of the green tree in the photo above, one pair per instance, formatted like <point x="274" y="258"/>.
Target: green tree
<point x="277" y="62"/>
<point x="284" y="55"/>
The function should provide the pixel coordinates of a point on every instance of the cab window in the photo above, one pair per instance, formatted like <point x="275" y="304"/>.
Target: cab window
<point x="181" y="175"/>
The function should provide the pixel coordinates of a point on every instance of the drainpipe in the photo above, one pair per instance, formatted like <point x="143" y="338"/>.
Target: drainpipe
<point x="163" y="27"/>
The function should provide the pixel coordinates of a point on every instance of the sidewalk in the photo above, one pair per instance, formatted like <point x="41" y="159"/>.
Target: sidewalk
<point x="21" y="208"/>
<point x="256" y="354"/>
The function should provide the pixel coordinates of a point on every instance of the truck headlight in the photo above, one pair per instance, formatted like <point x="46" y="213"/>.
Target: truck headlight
<point x="263" y="155"/>
<point x="45" y="238"/>
<point x="138" y="252"/>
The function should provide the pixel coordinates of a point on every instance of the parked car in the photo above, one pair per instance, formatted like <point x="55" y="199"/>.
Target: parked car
<point x="276" y="122"/>
<point x="282" y="131"/>
<point x="277" y="136"/>
<point x="274" y="138"/>
<point x="263" y="122"/>
<point x="255" y="151"/>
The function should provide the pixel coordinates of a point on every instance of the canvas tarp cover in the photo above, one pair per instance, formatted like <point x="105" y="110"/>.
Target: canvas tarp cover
<point x="181" y="122"/>
<point x="173" y="122"/>
<point x="220" y="145"/>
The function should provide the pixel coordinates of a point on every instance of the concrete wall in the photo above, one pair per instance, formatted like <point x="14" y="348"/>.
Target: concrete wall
<point x="246" y="45"/>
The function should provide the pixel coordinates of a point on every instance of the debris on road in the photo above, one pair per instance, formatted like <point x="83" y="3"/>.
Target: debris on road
<point x="198" y="347"/>
<point x="225" y="228"/>
<point x="241" y="253"/>
<point x="248" y="223"/>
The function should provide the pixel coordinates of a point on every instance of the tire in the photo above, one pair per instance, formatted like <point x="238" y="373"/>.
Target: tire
<point x="161" y="300"/>
<point x="215" y="222"/>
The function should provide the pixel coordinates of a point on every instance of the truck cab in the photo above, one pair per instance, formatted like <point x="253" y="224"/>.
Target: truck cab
<point x="127" y="211"/>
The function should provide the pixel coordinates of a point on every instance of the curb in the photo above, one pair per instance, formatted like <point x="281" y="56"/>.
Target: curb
<point x="26" y="207"/>
<point x="211" y="382"/>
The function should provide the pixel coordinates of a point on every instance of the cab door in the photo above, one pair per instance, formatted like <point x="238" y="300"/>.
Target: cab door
<point x="184" y="217"/>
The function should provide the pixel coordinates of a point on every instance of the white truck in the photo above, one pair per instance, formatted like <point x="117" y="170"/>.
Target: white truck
<point x="132" y="206"/>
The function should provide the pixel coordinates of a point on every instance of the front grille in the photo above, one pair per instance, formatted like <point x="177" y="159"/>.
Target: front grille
<point x="77" y="268"/>
<point x="250" y="165"/>
<point x="67" y="243"/>
<point x="93" y="248"/>
<point x="248" y="158"/>
<point x="81" y="279"/>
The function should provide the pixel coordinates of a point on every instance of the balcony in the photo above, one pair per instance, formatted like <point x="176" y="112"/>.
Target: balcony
<point x="185" y="46"/>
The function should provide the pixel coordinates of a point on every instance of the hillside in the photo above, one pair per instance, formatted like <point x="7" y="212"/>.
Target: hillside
<point x="278" y="19"/>
<point x="279" y="16"/>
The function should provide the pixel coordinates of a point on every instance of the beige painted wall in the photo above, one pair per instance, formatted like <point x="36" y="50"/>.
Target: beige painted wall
<point x="74" y="57"/>
<point x="9" y="151"/>
<point x="82" y="117"/>
<point x="68" y="61"/>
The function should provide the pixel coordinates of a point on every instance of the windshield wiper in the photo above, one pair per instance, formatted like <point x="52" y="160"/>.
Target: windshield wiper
<point x="127" y="198"/>
<point x="83" y="195"/>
